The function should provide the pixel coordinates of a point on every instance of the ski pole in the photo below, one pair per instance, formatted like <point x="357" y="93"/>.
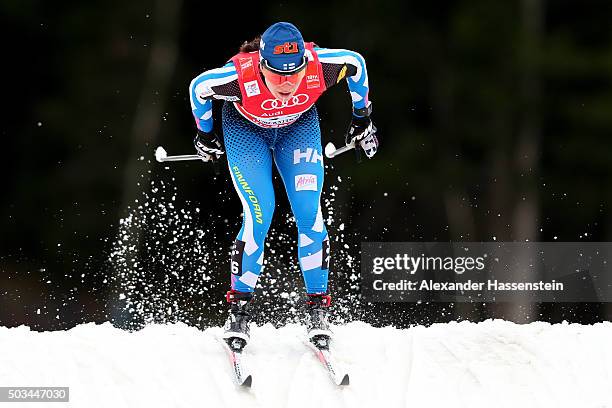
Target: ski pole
<point x="162" y="156"/>
<point x="331" y="151"/>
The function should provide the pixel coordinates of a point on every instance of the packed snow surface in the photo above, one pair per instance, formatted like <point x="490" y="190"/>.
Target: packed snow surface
<point x="494" y="363"/>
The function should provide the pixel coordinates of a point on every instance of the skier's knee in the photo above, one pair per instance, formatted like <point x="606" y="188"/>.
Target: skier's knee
<point x="307" y="214"/>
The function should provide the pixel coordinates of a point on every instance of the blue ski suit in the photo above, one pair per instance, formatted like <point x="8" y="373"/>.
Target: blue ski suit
<point x="294" y="147"/>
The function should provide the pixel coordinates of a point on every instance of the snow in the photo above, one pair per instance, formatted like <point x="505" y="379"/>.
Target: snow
<point x="493" y="363"/>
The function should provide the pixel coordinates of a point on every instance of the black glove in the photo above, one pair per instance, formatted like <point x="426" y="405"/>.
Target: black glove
<point x="363" y="131"/>
<point x="208" y="145"/>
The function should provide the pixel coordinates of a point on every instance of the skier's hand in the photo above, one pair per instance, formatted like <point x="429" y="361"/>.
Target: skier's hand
<point x="363" y="131"/>
<point x="208" y="145"/>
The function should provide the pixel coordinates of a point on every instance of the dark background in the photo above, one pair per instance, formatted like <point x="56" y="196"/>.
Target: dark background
<point x="494" y="117"/>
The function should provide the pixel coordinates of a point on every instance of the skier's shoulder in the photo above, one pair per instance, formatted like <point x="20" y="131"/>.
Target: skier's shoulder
<point x="339" y="56"/>
<point x="338" y="63"/>
<point x="215" y="83"/>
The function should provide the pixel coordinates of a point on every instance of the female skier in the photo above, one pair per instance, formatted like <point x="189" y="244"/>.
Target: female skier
<point x="270" y="88"/>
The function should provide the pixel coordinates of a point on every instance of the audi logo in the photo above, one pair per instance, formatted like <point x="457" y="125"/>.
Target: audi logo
<point x="271" y="104"/>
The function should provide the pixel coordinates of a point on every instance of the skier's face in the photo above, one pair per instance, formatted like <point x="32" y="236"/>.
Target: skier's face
<point x="282" y="86"/>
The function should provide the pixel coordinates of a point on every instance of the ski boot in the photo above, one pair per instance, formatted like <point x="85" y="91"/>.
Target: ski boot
<point x="319" y="332"/>
<point x="236" y="328"/>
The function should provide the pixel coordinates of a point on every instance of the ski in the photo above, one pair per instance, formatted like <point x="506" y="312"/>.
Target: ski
<point x="320" y="346"/>
<point x="234" y="348"/>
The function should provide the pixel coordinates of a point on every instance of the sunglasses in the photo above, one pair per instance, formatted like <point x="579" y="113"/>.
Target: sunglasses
<point x="277" y="77"/>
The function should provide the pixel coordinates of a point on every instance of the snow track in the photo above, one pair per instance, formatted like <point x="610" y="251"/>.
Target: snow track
<point x="494" y="363"/>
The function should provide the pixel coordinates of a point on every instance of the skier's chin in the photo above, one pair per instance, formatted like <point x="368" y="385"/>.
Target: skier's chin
<point x="283" y="96"/>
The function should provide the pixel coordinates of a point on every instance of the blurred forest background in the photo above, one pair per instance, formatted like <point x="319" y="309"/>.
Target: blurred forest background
<point x="495" y="122"/>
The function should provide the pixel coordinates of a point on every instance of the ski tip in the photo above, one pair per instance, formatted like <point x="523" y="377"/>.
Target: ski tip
<point x="247" y="381"/>
<point x="345" y="380"/>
